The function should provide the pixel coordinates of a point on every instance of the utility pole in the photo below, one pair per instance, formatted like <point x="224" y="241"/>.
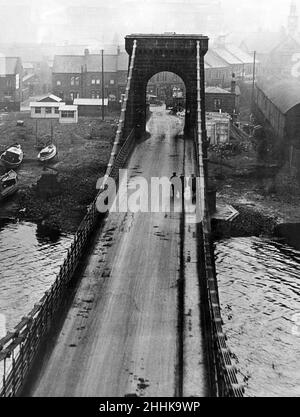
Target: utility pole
<point x="253" y="82"/>
<point x="103" y="90"/>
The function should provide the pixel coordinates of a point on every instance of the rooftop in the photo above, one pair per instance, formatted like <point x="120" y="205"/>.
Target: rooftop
<point x="74" y="64"/>
<point x="284" y="95"/>
<point x="8" y="65"/>
<point x="211" y="60"/>
<point x="215" y="90"/>
<point x="90" y="101"/>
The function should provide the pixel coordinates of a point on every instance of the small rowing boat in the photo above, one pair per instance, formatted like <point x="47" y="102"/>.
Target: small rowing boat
<point x="13" y="156"/>
<point x="8" y="184"/>
<point x="47" y="153"/>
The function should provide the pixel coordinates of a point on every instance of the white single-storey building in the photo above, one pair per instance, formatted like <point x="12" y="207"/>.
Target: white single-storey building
<point x="68" y="113"/>
<point x="46" y="107"/>
<point x="44" y="110"/>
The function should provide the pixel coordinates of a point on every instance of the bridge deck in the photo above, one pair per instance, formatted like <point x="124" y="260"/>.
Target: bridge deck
<point x="121" y="333"/>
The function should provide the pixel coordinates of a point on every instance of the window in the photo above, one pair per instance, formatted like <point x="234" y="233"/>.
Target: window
<point x="67" y="114"/>
<point x="58" y="82"/>
<point x="93" y="81"/>
<point x="56" y="110"/>
<point x="72" y="95"/>
<point x="38" y="110"/>
<point x="77" y="80"/>
<point x="93" y="94"/>
<point x="217" y="103"/>
<point x="72" y="80"/>
<point x="112" y="82"/>
<point x="48" y="110"/>
<point x="97" y="94"/>
<point x="98" y="81"/>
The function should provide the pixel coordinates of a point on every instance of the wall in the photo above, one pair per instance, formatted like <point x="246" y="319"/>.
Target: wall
<point x="227" y="102"/>
<point x="43" y="114"/>
<point x="85" y="87"/>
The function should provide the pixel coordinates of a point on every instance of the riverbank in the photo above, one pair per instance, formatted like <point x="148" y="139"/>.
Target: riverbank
<point x="83" y="154"/>
<point x="265" y="194"/>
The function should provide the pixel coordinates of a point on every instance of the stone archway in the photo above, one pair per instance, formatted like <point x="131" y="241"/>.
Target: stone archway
<point x="167" y="52"/>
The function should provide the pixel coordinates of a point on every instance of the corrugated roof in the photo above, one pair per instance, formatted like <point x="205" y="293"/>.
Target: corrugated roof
<point x="284" y="95"/>
<point x="216" y="90"/>
<point x="211" y="60"/>
<point x="8" y="65"/>
<point x="90" y="101"/>
<point x="227" y="56"/>
<point x="72" y="64"/>
<point x="241" y="55"/>
<point x="68" y="107"/>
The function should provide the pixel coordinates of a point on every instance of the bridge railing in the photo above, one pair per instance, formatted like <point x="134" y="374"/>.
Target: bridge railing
<point x="224" y="379"/>
<point x="19" y="348"/>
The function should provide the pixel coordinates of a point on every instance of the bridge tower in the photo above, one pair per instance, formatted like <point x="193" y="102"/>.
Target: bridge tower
<point x="165" y="52"/>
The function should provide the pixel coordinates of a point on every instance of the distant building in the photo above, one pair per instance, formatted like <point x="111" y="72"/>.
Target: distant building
<point x="80" y="76"/>
<point x="219" y="100"/>
<point x="34" y="62"/>
<point x="238" y="61"/>
<point x="166" y="86"/>
<point x="217" y="71"/>
<point x="11" y="75"/>
<point x="277" y="52"/>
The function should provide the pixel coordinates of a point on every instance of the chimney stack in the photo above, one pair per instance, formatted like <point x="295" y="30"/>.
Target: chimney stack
<point x="233" y="84"/>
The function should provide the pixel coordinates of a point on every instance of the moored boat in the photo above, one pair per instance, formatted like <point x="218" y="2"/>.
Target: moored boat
<point x="47" y="153"/>
<point x="13" y="156"/>
<point x="8" y="184"/>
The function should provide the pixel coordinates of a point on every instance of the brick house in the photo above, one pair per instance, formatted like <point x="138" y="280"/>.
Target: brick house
<point x="217" y="99"/>
<point x="11" y="75"/>
<point x="80" y="76"/>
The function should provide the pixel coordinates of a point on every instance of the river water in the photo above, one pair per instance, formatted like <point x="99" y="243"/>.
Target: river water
<point x="29" y="262"/>
<point x="259" y="288"/>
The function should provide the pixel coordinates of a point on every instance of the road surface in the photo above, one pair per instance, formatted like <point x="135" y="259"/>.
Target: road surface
<point x="122" y="333"/>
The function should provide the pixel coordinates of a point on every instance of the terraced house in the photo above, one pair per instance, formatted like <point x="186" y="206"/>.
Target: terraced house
<point x="11" y="73"/>
<point x="80" y="76"/>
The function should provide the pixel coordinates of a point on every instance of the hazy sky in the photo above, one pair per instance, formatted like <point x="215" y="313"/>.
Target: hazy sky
<point x="83" y="20"/>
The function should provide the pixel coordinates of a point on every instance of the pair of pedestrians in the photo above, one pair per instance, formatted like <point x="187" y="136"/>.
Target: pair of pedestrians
<point x="191" y="184"/>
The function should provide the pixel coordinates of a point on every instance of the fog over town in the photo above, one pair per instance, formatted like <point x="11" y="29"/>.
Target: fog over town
<point x="96" y="20"/>
<point x="149" y="200"/>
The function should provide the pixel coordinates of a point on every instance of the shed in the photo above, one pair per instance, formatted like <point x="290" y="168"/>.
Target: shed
<point x="68" y="114"/>
<point x="218" y="127"/>
<point x="90" y="107"/>
<point x="45" y="110"/>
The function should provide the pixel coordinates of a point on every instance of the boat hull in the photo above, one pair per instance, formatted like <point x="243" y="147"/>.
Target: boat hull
<point x="8" y="192"/>
<point x="10" y="164"/>
<point x="49" y="157"/>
